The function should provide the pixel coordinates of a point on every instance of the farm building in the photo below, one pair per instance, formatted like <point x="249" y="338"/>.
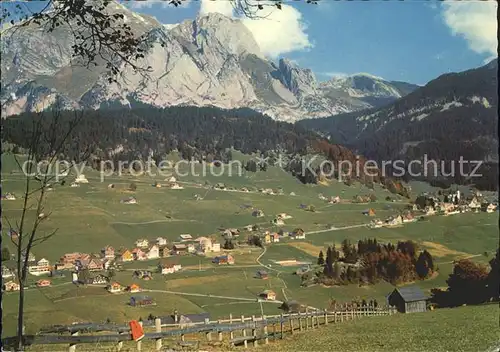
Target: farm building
<point x="408" y="299"/>
<point x="43" y="283"/>
<point x="369" y="212"/>
<point x="180" y="249"/>
<point x="127" y="256"/>
<point x="185" y="237"/>
<point x="268" y="295"/>
<point x="298" y="233"/>
<point x="134" y="288"/>
<point x="81" y="179"/>
<point x="98" y="280"/>
<point x="8" y="196"/>
<point x="115" y="287"/>
<point x="129" y="200"/>
<point x="261" y="274"/>
<point x="7" y="273"/>
<point x="11" y="286"/>
<point x="224" y="259"/>
<point x="136" y="301"/>
<point x="258" y="213"/>
<point x="278" y="222"/>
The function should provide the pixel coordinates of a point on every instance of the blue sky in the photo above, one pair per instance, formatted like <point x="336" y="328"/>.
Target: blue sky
<point x="413" y="40"/>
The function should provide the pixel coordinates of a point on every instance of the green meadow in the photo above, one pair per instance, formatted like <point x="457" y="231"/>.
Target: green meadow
<point x="91" y="216"/>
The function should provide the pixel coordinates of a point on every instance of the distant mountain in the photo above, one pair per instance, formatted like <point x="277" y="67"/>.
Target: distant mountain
<point x="210" y="61"/>
<point x="453" y="116"/>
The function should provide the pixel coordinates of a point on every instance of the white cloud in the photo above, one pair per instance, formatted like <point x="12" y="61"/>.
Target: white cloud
<point x="275" y="31"/>
<point x="216" y="6"/>
<point x="476" y="22"/>
<point x="147" y="4"/>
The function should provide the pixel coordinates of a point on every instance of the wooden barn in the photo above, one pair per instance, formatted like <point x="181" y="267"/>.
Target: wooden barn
<point x="408" y="299"/>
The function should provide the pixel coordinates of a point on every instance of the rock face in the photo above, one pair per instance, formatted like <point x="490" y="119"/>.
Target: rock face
<point x="210" y="61"/>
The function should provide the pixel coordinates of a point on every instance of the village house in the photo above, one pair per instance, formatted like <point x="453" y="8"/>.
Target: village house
<point x="275" y="237"/>
<point x="41" y="267"/>
<point x="43" y="283"/>
<point x="166" y="268"/>
<point x="394" y="220"/>
<point x="136" y="301"/>
<point x="185" y="237"/>
<point x="258" y="213"/>
<point x="474" y="204"/>
<point x="127" y="256"/>
<point x="298" y="234"/>
<point x="376" y="223"/>
<point x="204" y="244"/>
<point x="13" y="234"/>
<point x="408" y="217"/>
<point x="334" y="200"/>
<point x="490" y="208"/>
<point x="68" y="260"/>
<point x="249" y="228"/>
<point x="143" y="274"/>
<point x="31" y="257"/>
<point x="133" y="288"/>
<point x="129" y="200"/>
<point x="278" y="222"/>
<point x="175" y="185"/>
<point x="224" y="259"/>
<point x="107" y="263"/>
<point x="115" y="287"/>
<point x="161" y="242"/>
<point x="11" y="286"/>
<point x="98" y="280"/>
<point x="268" y="295"/>
<point x="81" y="179"/>
<point x="139" y="254"/>
<point x="153" y="252"/>
<point x="9" y="196"/>
<point x="108" y="252"/>
<point x="92" y="264"/>
<point x="180" y="249"/>
<point x="7" y="273"/>
<point x="261" y="274"/>
<point x="142" y="243"/>
<point x="292" y="194"/>
<point x="267" y="237"/>
<point x="369" y="212"/>
<point x="429" y="210"/>
<point x="230" y="233"/>
<point x="283" y="216"/>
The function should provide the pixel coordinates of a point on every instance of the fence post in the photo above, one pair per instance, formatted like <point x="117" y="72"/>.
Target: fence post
<point x="139" y="343"/>
<point x="220" y="332"/>
<point x="231" y="333"/>
<point x="72" y="347"/>
<point x="307" y="318"/>
<point x="209" y="333"/>
<point x="300" y="321"/>
<point x="291" y="324"/>
<point x="244" y="331"/>
<point x="266" y="338"/>
<point x="326" y="317"/>
<point x="158" y="329"/>
<point x="281" y="323"/>
<point x="254" y="331"/>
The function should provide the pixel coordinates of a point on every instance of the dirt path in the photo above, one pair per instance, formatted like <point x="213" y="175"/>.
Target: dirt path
<point x="256" y="300"/>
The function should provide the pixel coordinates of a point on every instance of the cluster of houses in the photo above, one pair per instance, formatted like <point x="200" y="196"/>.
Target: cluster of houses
<point x="453" y="203"/>
<point x="268" y="191"/>
<point x="8" y="196"/>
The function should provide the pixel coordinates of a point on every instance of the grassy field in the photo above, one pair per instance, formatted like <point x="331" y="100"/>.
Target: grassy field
<point x="90" y="217"/>
<point x="459" y="329"/>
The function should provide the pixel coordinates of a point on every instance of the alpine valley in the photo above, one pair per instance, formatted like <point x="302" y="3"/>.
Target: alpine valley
<point x="210" y="61"/>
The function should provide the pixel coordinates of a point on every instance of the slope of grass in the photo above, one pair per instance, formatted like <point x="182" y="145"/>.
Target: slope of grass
<point x="473" y="328"/>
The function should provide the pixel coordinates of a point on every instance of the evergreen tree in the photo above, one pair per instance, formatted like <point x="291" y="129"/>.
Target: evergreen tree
<point x="5" y="254"/>
<point x="321" y="259"/>
<point x="328" y="270"/>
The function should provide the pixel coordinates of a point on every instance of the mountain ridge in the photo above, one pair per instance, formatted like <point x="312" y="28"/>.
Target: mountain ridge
<point x="212" y="60"/>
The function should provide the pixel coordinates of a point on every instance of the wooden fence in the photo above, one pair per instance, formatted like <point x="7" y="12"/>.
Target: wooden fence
<point x="235" y="330"/>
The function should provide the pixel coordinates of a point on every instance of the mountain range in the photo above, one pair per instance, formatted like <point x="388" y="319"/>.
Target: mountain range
<point x="210" y="61"/>
<point x="453" y="116"/>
